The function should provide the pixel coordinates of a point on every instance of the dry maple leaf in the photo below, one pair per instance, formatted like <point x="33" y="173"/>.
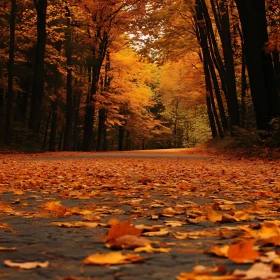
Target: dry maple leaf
<point x="194" y="276"/>
<point x="113" y="258"/>
<point x="160" y="233"/>
<point x="121" y="229"/>
<point x="26" y="265"/>
<point x="214" y="216"/>
<point x="243" y="252"/>
<point x="8" y="248"/>
<point x="127" y="242"/>
<point x="54" y="207"/>
<point x="75" y="224"/>
<point x="257" y="271"/>
<point x="219" y="251"/>
<point x="149" y="249"/>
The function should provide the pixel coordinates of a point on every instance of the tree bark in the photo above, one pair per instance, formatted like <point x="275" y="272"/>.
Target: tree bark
<point x="38" y="78"/>
<point x="98" y="56"/>
<point x="11" y="62"/>
<point x="67" y="145"/>
<point x="52" y="143"/>
<point x="252" y="16"/>
<point x="221" y="15"/>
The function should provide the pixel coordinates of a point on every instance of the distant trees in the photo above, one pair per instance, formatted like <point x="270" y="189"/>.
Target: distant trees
<point x="207" y="66"/>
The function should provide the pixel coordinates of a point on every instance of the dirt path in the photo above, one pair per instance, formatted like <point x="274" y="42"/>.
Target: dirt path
<point x="59" y="207"/>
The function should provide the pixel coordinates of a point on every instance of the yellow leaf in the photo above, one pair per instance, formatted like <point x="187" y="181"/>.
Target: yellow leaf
<point x="159" y="233"/>
<point x="219" y="251"/>
<point x="149" y="249"/>
<point x="113" y="258"/>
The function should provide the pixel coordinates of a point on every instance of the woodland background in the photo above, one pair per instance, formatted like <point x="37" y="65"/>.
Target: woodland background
<point x="120" y="75"/>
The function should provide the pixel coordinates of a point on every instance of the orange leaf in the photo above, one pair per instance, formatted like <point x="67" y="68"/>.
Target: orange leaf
<point x="121" y="229"/>
<point x="243" y="252"/>
<point x="214" y="216"/>
<point x="113" y="258"/>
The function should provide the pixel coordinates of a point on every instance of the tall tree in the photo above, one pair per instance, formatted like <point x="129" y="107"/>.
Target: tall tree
<point x="10" y="93"/>
<point x="67" y="145"/>
<point x="259" y="63"/>
<point x="39" y="66"/>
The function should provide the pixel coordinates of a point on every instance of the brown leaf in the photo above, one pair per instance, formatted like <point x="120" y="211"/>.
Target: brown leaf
<point x="121" y="229"/>
<point x="127" y="242"/>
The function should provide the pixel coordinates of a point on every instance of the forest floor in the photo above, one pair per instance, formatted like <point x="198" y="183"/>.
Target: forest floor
<point x="166" y="214"/>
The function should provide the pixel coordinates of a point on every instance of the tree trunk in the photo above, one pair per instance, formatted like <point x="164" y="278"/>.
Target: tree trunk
<point x="209" y="92"/>
<point x="10" y="93"/>
<point x="121" y="137"/>
<point x="101" y="129"/>
<point x="38" y="78"/>
<point x="99" y="56"/>
<point x="223" y="24"/>
<point x="76" y="122"/>
<point x="252" y="16"/>
<point x="47" y="127"/>
<point x="67" y="145"/>
<point x="52" y="145"/>
<point x="244" y="89"/>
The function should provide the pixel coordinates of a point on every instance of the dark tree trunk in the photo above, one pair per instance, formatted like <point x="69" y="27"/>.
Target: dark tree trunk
<point x="67" y="145"/>
<point x="217" y="90"/>
<point x="221" y="14"/>
<point x="61" y="137"/>
<point x="47" y="128"/>
<point x="10" y="93"/>
<point x="99" y="56"/>
<point x="211" y="117"/>
<point x="121" y="137"/>
<point x="38" y="77"/>
<point x="209" y="92"/>
<point x="76" y="121"/>
<point x="252" y="15"/>
<point x="276" y="65"/>
<point x="52" y="143"/>
<point x="209" y="67"/>
<point x="101" y="129"/>
<point x="244" y="88"/>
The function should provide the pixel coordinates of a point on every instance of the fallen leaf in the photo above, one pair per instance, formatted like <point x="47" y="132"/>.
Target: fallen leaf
<point x="243" y="252"/>
<point x="127" y="242"/>
<point x="149" y="249"/>
<point x="26" y="265"/>
<point x="214" y="216"/>
<point x="75" y="224"/>
<point x="219" y="251"/>
<point x="257" y="271"/>
<point x="8" y="248"/>
<point x="121" y="229"/>
<point x="159" y="233"/>
<point x="113" y="258"/>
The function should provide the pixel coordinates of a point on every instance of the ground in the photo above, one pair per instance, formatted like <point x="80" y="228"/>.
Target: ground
<point x="165" y="214"/>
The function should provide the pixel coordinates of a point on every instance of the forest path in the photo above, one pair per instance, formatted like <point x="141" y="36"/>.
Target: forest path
<point x="183" y="153"/>
<point x="189" y="206"/>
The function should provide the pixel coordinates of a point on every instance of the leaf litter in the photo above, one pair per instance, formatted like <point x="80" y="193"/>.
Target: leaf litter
<point x="235" y="201"/>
